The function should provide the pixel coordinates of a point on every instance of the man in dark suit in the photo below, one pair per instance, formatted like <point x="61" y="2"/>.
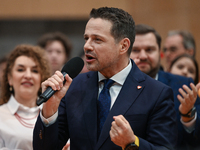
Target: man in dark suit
<point x="146" y="53"/>
<point x="141" y="110"/>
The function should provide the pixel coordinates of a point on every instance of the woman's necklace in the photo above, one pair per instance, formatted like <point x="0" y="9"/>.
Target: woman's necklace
<point x="23" y="120"/>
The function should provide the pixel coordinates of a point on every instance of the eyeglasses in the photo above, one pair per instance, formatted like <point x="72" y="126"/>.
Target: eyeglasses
<point x="170" y="49"/>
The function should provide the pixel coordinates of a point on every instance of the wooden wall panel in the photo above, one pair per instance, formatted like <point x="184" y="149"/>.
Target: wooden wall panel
<point x="56" y="9"/>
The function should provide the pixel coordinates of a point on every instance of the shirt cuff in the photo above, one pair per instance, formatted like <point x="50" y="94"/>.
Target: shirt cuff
<point x="49" y="121"/>
<point x="190" y="126"/>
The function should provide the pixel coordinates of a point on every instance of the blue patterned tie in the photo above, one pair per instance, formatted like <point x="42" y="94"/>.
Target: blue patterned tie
<point x="104" y="104"/>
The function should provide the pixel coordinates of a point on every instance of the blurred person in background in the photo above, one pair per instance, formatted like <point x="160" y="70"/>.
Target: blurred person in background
<point x="57" y="48"/>
<point x="178" y="42"/>
<point x="146" y="54"/>
<point x="185" y="65"/>
<point x="25" y="70"/>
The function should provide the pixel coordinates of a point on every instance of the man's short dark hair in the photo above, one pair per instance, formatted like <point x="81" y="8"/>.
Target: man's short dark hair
<point x="144" y="29"/>
<point x="123" y="25"/>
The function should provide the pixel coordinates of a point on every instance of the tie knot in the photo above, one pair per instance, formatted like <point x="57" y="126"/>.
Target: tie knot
<point x="108" y="83"/>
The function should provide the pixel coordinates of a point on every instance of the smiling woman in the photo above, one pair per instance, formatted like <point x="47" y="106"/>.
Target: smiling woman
<point x="26" y="69"/>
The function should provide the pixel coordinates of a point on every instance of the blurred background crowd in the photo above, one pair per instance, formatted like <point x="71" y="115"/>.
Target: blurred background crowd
<point x="26" y="21"/>
<point x="58" y="28"/>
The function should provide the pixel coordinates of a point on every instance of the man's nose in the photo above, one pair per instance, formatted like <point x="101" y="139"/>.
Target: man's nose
<point x="88" y="45"/>
<point x="143" y="54"/>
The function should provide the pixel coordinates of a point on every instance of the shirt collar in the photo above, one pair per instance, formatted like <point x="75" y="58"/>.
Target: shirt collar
<point x="14" y="106"/>
<point x="156" y="78"/>
<point x="120" y="77"/>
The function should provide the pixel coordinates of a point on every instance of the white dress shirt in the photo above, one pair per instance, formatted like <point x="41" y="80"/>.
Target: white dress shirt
<point x="119" y="79"/>
<point x="13" y="135"/>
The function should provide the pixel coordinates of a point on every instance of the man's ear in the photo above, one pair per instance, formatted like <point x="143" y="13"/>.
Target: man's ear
<point x="125" y="44"/>
<point x="190" y="51"/>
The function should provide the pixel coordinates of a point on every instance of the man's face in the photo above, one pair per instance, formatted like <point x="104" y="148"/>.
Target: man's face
<point x="101" y="50"/>
<point x="145" y="48"/>
<point x="56" y="55"/>
<point x="173" y="47"/>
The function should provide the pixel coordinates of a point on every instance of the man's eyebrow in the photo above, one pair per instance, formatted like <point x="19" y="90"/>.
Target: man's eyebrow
<point x="151" y="46"/>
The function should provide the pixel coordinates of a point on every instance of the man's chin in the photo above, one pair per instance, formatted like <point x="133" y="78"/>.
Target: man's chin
<point x="91" y="68"/>
<point x="145" y="70"/>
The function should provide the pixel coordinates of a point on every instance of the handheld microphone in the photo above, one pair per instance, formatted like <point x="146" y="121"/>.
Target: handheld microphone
<point x="73" y="67"/>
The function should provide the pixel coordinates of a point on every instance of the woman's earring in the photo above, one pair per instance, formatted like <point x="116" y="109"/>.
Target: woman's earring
<point x="11" y="88"/>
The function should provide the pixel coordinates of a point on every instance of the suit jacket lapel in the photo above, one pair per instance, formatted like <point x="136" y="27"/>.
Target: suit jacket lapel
<point x="125" y="99"/>
<point x="90" y="107"/>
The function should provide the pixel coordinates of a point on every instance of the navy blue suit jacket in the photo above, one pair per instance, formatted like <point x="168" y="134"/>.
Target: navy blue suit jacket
<point x="185" y="140"/>
<point x="149" y="110"/>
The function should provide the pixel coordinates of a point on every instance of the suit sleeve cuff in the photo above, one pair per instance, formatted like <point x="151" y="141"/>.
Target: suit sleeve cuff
<point x="189" y="126"/>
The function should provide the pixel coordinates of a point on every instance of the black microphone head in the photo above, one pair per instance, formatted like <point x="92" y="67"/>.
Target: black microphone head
<point x="73" y="67"/>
